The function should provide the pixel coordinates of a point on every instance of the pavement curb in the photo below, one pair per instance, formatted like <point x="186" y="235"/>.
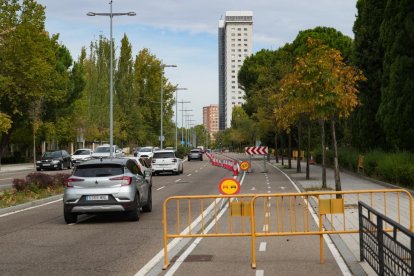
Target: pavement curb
<point x="30" y="204"/>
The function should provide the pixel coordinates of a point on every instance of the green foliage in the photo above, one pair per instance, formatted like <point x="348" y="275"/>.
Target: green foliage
<point x="348" y="158"/>
<point x="368" y="55"/>
<point x="397" y="101"/>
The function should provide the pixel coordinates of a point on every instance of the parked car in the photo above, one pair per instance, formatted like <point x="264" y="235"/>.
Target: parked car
<point x="146" y="152"/>
<point x="55" y="160"/>
<point x="107" y="185"/>
<point x="195" y="154"/>
<point x="81" y="155"/>
<point x="102" y="151"/>
<point x="166" y="161"/>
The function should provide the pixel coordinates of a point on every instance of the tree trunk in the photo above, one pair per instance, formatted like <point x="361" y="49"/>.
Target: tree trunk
<point x="282" y="145"/>
<point x="276" y="149"/>
<point x="290" y="151"/>
<point x="336" y="163"/>
<point x="298" y="166"/>
<point x="322" y="123"/>
<point x="308" y="154"/>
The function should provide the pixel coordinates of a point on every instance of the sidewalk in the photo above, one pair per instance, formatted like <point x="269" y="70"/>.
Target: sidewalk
<point x="348" y="244"/>
<point x="16" y="167"/>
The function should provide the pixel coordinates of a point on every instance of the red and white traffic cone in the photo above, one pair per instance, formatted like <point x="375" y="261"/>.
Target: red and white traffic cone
<point x="311" y="161"/>
<point x="235" y="169"/>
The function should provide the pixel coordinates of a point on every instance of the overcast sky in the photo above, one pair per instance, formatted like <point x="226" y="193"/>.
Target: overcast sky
<point x="184" y="32"/>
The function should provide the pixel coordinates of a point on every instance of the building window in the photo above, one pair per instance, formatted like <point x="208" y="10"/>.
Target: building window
<point x="245" y="34"/>
<point x="239" y="29"/>
<point x="233" y="71"/>
<point x="239" y="39"/>
<point x="245" y="29"/>
<point x="239" y="34"/>
<point x="245" y="50"/>
<point x="245" y="39"/>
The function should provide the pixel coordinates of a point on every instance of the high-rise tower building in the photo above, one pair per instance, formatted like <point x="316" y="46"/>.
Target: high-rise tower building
<point x="235" y="44"/>
<point x="211" y="120"/>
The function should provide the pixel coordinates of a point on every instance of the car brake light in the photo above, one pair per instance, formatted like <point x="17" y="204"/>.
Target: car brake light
<point x="69" y="181"/>
<point x="126" y="180"/>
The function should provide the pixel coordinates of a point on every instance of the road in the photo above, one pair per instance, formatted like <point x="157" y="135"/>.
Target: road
<point x="38" y="242"/>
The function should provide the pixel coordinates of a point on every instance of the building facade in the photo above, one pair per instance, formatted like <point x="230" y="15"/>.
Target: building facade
<point x="235" y="44"/>
<point x="211" y="120"/>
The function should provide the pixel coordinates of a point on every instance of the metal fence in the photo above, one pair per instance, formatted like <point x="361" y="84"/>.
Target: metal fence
<point x="290" y="214"/>
<point x="388" y="253"/>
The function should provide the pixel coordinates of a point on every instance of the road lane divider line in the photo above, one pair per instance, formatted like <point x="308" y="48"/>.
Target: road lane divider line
<point x="196" y="171"/>
<point x="160" y="188"/>
<point x="265" y="227"/>
<point x="335" y="253"/>
<point x="189" y="174"/>
<point x="262" y="246"/>
<point x="30" y="208"/>
<point x="178" y="180"/>
<point x="259" y="272"/>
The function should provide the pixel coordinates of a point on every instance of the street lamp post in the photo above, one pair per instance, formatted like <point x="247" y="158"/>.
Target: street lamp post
<point x="161" y="112"/>
<point x="187" y="117"/>
<point x="176" y="122"/>
<point x="111" y="121"/>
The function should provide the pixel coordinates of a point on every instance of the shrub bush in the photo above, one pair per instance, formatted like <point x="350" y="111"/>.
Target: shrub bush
<point x="20" y="184"/>
<point x="41" y="180"/>
<point x="348" y="158"/>
<point x="59" y="179"/>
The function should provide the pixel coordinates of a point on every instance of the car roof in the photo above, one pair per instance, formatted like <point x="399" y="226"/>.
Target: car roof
<point x="83" y="149"/>
<point x="160" y="151"/>
<point x="119" y="161"/>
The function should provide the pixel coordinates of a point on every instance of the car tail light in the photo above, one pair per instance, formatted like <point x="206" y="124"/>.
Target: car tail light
<point x="125" y="180"/>
<point x="70" y="180"/>
<point x="174" y="160"/>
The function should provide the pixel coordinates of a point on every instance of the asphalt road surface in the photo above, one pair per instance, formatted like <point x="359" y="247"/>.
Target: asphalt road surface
<point x="38" y="242"/>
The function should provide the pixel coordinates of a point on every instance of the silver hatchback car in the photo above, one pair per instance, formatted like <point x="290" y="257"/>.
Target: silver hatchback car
<point x="107" y="185"/>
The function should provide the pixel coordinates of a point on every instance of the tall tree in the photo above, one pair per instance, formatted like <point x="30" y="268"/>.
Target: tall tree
<point x="397" y="98"/>
<point x="368" y="55"/>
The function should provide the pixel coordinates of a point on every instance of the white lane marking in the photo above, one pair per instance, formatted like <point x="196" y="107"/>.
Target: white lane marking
<point x="265" y="227"/>
<point x="268" y="192"/>
<point x="267" y="214"/>
<point x="196" y="171"/>
<point x="268" y="205"/>
<point x="268" y="187"/>
<point x="188" y="251"/>
<point x="282" y="188"/>
<point x="160" y="188"/>
<point x="259" y="272"/>
<point x="189" y="174"/>
<point x="253" y="189"/>
<point x="335" y="253"/>
<point x="30" y="208"/>
<point x="154" y="261"/>
<point x="178" y="180"/>
<point x="262" y="246"/>
<point x="157" y="258"/>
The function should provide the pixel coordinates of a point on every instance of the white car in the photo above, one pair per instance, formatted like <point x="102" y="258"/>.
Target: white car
<point x="81" y="155"/>
<point x="147" y="152"/>
<point x="145" y="166"/>
<point x="166" y="161"/>
<point x="102" y="151"/>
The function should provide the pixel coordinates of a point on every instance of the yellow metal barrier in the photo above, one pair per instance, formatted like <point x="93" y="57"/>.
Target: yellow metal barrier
<point x="189" y="208"/>
<point x="289" y="214"/>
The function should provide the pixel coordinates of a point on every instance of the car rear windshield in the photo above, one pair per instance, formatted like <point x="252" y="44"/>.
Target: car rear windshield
<point x="196" y="150"/>
<point x="102" y="149"/>
<point x="98" y="170"/>
<point x="82" y="152"/>
<point x="164" y="155"/>
<point x="145" y="150"/>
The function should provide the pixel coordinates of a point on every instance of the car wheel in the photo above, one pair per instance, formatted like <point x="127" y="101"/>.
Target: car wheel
<point x="70" y="217"/>
<point x="38" y="169"/>
<point x="148" y="207"/>
<point x="133" y="215"/>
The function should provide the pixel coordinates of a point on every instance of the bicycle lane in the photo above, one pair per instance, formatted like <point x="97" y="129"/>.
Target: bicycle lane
<point x="298" y="255"/>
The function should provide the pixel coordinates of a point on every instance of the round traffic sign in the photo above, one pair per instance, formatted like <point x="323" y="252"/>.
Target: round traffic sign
<point x="244" y="165"/>
<point x="229" y="186"/>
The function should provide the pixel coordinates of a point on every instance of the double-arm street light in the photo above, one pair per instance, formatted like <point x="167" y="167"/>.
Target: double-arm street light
<point x="176" y="122"/>
<point x="111" y="121"/>
<point x="162" y="110"/>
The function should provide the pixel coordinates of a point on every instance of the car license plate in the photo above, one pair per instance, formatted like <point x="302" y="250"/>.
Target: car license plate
<point x="97" y="197"/>
<point x="45" y="165"/>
